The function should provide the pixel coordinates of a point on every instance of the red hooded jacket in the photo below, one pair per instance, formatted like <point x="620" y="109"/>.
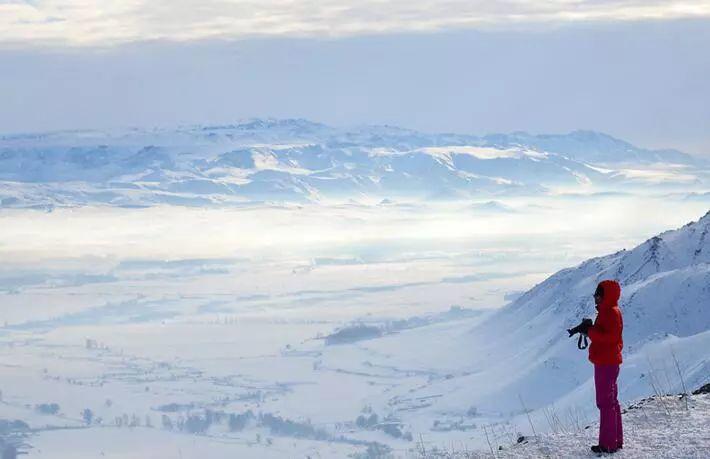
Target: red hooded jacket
<point x="606" y="332"/>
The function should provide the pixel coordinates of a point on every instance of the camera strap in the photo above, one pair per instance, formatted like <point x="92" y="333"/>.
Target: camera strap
<point x="582" y="342"/>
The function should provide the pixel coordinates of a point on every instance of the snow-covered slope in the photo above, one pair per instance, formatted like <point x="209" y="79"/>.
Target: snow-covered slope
<point x="298" y="160"/>
<point x="665" y="291"/>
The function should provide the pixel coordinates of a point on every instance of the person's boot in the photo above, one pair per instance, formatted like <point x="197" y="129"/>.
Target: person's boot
<point x="601" y="449"/>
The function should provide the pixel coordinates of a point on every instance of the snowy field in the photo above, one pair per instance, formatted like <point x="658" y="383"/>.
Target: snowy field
<point x="179" y="332"/>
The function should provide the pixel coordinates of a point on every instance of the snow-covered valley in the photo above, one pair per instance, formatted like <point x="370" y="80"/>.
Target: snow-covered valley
<point x="373" y="292"/>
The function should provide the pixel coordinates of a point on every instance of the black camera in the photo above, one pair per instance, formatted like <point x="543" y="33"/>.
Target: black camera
<point x="582" y="329"/>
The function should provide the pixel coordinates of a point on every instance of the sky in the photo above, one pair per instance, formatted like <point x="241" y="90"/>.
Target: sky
<point x="638" y="70"/>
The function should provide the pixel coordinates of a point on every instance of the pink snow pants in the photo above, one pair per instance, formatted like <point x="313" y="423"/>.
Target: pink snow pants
<point x="610" y="432"/>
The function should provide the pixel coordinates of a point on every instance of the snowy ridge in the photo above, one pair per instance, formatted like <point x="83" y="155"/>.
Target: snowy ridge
<point x="297" y="160"/>
<point x="590" y="146"/>
<point x="665" y="291"/>
<point x="666" y="277"/>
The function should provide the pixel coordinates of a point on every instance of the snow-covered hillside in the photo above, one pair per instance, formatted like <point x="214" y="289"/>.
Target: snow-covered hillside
<point x="297" y="160"/>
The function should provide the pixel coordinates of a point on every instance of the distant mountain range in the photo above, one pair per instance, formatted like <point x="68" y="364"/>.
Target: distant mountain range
<point x="295" y="160"/>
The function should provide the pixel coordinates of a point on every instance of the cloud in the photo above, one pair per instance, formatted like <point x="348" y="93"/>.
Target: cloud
<point x="108" y="22"/>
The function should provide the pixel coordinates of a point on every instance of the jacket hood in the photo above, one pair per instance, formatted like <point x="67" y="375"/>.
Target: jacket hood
<point x="612" y="293"/>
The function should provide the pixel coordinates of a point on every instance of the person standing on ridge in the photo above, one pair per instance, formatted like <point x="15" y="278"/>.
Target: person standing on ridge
<point x="605" y="353"/>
